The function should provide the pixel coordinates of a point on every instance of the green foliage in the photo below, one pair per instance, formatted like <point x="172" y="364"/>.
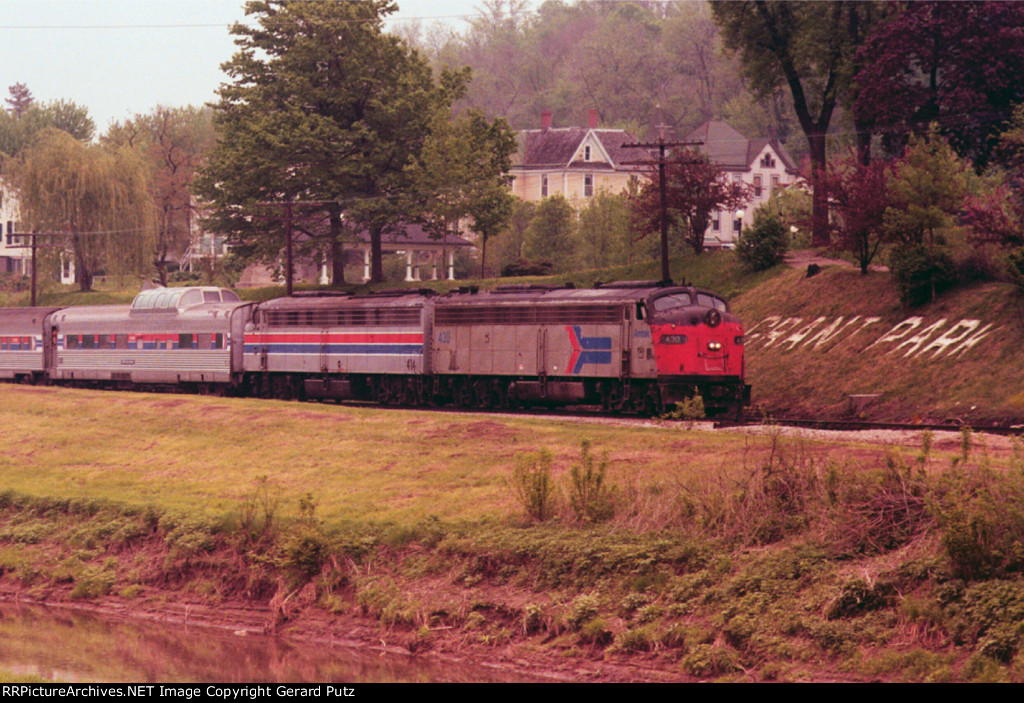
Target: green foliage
<point x="257" y="515"/>
<point x="690" y="410"/>
<point x="323" y="105"/>
<point x="920" y="273"/>
<point x="764" y="243"/>
<point x="96" y="195"/>
<point x="550" y="234"/>
<point x="981" y="514"/>
<point x="706" y="660"/>
<point x="927" y="188"/>
<point x="591" y="498"/>
<point x="604" y="234"/>
<point x="532" y="484"/>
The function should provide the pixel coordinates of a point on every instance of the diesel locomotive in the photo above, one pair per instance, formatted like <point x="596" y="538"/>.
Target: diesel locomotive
<point x="634" y="346"/>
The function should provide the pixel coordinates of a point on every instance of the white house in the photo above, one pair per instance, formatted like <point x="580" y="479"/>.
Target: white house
<point x="15" y="250"/>
<point x="763" y="164"/>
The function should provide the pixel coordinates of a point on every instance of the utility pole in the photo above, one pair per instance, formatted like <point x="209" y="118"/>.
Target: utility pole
<point x="662" y="146"/>
<point x="34" y="237"/>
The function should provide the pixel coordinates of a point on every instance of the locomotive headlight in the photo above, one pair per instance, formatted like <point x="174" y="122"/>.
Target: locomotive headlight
<point x="673" y="339"/>
<point x="714" y="346"/>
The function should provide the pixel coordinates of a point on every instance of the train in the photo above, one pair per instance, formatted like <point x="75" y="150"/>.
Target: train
<point x="627" y="346"/>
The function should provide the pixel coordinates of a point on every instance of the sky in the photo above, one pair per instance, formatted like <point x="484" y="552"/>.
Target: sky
<point x="124" y="57"/>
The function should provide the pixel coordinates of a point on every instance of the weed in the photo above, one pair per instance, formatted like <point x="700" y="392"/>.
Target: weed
<point x="532" y="484"/>
<point x="638" y="640"/>
<point x="92" y="582"/>
<point x="584" y="608"/>
<point x="595" y="632"/>
<point x="258" y="512"/>
<point x="689" y="410"/>
<point x="590" y="497"/>
<point x="706" y="660"/>
<point x="857" y="596"/>
<point x="533" y="618"/>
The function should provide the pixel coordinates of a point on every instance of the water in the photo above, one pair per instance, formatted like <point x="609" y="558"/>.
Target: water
<point x="74" y="646"/>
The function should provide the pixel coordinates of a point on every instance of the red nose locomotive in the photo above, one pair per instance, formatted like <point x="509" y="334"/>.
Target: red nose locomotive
<point x="628" y="346"/>
<point x="633" y="346"/>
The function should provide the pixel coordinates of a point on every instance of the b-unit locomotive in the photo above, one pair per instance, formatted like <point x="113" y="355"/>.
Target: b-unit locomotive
<point x="627" y="346"/>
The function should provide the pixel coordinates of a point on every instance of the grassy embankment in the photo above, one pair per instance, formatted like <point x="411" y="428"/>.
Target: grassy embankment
<point x="981" y="384"/>
<point x="695" y="554"/>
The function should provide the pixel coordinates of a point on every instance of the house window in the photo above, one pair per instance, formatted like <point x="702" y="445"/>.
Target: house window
<point x="588" y="186"/>
<point x="767" y="161"/>
<point x="737" y="225"/>
<point x="715" y="223"/>
<point x="543" y="186"/>
<point x="586" y="153"/>
<point x="757" y="186"/>
<point x="775" y="184"/>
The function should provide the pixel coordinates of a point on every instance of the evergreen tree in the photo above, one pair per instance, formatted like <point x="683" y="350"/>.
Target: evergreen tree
<point x="322" y="106"/>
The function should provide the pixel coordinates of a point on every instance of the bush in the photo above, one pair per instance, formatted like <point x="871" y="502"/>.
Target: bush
<point x="590" y="497"/>
<point x="764" y="243"/>
<point x="531" y="481"/>
<point x="921" y="274"/>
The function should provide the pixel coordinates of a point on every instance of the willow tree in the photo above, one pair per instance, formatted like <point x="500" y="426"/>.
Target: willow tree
<point x="95" y="199"/>
<point x="172" y="143"/>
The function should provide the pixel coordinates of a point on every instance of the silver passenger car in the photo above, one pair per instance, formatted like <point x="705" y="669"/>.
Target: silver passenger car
<point x="166" y="336"/>
<point x="23" y="346"/>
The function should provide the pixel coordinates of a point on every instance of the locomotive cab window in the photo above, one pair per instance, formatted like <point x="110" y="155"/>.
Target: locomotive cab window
<point x="669" y="302"/>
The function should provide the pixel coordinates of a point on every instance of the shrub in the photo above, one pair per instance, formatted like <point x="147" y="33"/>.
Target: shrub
<point x="764" y="243"/>
<point x="921" y="274"/>
<point x="531" y="482"/>
<point x="590" y="497"/>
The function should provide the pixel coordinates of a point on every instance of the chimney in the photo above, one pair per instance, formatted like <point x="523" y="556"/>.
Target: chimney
<point x="545" y="120"/>
<point x="592" y="118"/>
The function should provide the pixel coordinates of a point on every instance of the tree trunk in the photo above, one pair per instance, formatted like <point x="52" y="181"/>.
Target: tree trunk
<point x="376" y="254"/>
<point x="819" y="202"/>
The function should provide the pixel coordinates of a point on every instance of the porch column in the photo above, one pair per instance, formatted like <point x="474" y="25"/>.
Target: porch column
<point x="408" y="265"/>
<point x="366" y="265"/>
<point x="451" y="265"/>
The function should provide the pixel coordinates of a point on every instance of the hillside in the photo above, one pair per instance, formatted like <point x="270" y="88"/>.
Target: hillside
<point x="815" y="344"/>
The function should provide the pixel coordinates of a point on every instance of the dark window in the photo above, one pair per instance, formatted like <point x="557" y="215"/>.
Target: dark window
<point x="184" y="341"/>
<point x="71" y="341"/>
<point x="88" y="341"/>
<point x="120" y="341"/>
<point x="588" y="186"/>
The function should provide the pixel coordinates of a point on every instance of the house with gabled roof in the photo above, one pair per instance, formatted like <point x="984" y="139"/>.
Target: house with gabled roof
<point x="762" y="163"/>
<point x="575" y="162"/>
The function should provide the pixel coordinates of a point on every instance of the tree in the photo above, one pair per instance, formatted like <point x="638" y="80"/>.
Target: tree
<point x="173" y="142"/>
<point x="322" y="107"/>
<point x="859" y="198"/>
<point x="461" y="173"/>
<point x="17" y="132"/>
<point x="695" y="188"/>
<point x="808" y="47"/>
<point x="96" y="196"/>
<point x="549" y="238"/>
<point x="604" y="234"/>
<point x="955" y="64"/>
<point x="927" y="188"/>
<point x="20" y="99"/>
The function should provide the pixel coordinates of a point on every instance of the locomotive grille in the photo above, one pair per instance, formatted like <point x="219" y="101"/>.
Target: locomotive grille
<point x="529" y="315"/>
<point x="343" y="318"/>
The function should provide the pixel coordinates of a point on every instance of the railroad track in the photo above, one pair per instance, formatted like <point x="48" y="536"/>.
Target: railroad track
<point x="856" y="425"/>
